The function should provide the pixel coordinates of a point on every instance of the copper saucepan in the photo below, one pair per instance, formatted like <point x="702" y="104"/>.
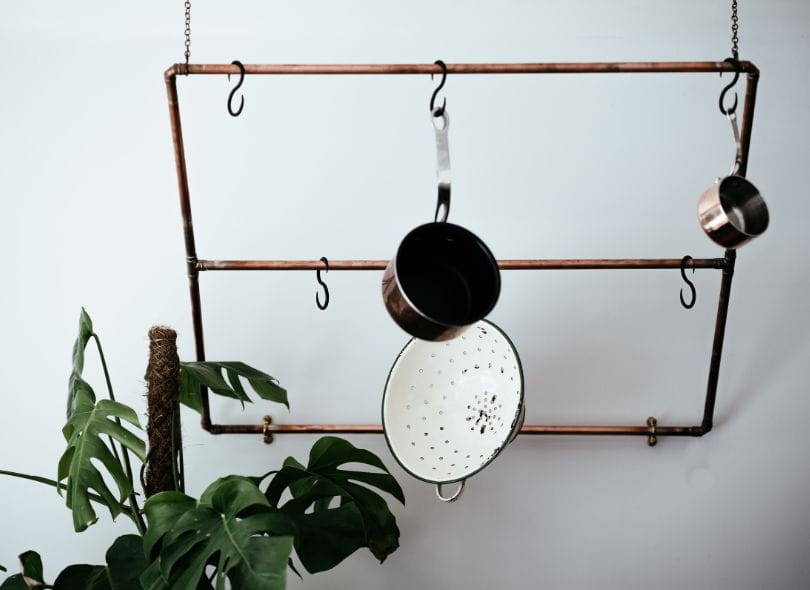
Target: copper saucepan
<point x="732" y="212"/>
<point x="443" y="278"/>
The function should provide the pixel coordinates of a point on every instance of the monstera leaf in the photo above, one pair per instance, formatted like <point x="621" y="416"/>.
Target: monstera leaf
<point x="76" y="383"/>
<point x="326" y="535"/>
<point x="83" y="431"/>
<point x="225" y="528"/>
<point x="209" y="374"/>
<point x="125" y="563"/>
<point x="31" y="575"/>
<point x="88" y="421"/>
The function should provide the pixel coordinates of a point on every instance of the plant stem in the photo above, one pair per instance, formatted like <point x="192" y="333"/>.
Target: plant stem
<point x="94" y="497"/>
<point x="109" y="390"/>
<point x="136" y="512"/>
<point x="177" y="457"/>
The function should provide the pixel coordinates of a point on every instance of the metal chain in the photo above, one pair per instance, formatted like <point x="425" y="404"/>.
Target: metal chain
<point x="187" y="31"/>
<point x="735" y="49"/>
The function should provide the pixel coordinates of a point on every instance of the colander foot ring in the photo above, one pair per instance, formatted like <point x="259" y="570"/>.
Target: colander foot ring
<point x="452" y="498"/>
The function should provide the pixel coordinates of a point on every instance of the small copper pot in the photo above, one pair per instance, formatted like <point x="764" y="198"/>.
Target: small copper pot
<point x="732" y="212"/>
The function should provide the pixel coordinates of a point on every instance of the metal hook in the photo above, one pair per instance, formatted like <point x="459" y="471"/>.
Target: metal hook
<point x="236" y="113"/>
<point x="438" y="112"/>
<point x="325" y="304"/>
<point x="687" y="260"/>
<point x="721" y="103"/>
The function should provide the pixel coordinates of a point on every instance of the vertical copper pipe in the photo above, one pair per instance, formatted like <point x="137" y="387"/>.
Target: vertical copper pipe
<point x="731" y="255"/>
<point x="748" y="119"/>
<point x="188" y="231"/>
<point x="717" y="346"/>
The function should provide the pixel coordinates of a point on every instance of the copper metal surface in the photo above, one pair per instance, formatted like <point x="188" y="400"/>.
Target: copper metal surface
<point x="535" y="429"/>
<point x="407" y="317"/>
<point x="732" y="212"/>
<point x="717" y="346"/>
<point x="573" y="264"/>
<point x="195" y="266"/>
<point x="188" y="234"/>
<point x="503" y="68"/>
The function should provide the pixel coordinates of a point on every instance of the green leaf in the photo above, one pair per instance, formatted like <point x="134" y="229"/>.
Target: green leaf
<point x="226" y="527"/>
<point x="31" y="576"/>
<point x="31" y="565"/>
<point x="194" y="375"/>
<point x="75" y="382"/>
<point x="53" y="483"/>
<point x="87" y="577"/>
<point x="14" y="582"/>
<point x="125" y="564"/>
<point x="325" y="536"/>
<point x="88" y="421"/>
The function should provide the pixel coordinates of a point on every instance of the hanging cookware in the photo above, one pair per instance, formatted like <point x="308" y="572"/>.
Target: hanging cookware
<point x="450" y="408"/>
<point x="732" y="212"/>
<point x="443" y="278"/>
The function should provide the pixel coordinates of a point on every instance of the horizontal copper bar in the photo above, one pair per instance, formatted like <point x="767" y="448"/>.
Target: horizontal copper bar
<point x="618" y="263"/>
<point x="378" y="429"/>
<point x="479" y="68"/>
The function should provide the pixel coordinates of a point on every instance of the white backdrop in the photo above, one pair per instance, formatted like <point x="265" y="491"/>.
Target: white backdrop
<point x="543" y="166"/>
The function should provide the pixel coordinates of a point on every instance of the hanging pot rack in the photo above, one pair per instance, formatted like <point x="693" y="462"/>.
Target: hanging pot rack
<point x="196" y="265"/>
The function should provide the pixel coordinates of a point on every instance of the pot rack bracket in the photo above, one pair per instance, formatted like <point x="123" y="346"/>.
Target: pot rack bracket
<point x="651" y="429"/>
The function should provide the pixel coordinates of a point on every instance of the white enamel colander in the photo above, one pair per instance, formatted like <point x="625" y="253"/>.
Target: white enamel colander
<point x="449" y="408"/>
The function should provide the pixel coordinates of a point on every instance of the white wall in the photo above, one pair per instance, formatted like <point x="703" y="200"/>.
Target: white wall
<point x="545" y="166"/>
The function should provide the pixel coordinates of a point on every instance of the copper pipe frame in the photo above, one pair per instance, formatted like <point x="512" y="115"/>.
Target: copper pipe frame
<point x="580" y="264"/>
<point x="195" y="265"/>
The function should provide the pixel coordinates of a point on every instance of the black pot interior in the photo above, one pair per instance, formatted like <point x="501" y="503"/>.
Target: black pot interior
<point x="743" y="205"/>
<point x="448" y="274"/>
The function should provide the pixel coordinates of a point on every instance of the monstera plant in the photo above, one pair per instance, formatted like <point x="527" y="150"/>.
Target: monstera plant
<point x="242" y="532"/>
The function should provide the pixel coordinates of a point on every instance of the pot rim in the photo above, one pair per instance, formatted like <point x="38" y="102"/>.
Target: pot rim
<point x="715" y="195"/>
<point x="487" y="252"/>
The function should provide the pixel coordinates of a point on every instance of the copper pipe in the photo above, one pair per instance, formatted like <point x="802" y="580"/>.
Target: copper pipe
<point x="528" y="429"/>
<point x="503" y="68"/>
<point x="731" y="257"/>
<point x="717" y="345"/>
<point x="748" y="119"/>
<point x="194" y="266"/>
<point x="188" y="234"/>
<point x="582" y="264"/>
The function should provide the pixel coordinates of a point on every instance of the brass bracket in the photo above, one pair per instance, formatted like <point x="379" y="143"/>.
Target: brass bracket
<point x="267" y="436"/>
<point x="652" y="439"/>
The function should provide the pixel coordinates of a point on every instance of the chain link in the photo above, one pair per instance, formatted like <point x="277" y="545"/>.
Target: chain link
<point x="187" y="31"/>
<point x="735" y="27"/>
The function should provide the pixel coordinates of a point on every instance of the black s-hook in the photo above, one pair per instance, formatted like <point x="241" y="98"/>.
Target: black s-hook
<point x="687" y="261"/>
<point x="236" y="113"/>
<point x="438" y="112"/>
<point x="325" y="304"/>
<point x="730" y="111"/>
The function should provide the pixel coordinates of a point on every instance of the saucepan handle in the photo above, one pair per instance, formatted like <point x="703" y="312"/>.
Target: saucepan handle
<point x="441" y="122"/>
<point x="452" y="498"/>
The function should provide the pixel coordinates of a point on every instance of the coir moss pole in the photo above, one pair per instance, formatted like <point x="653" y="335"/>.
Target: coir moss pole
<point x="163" y="426"/>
